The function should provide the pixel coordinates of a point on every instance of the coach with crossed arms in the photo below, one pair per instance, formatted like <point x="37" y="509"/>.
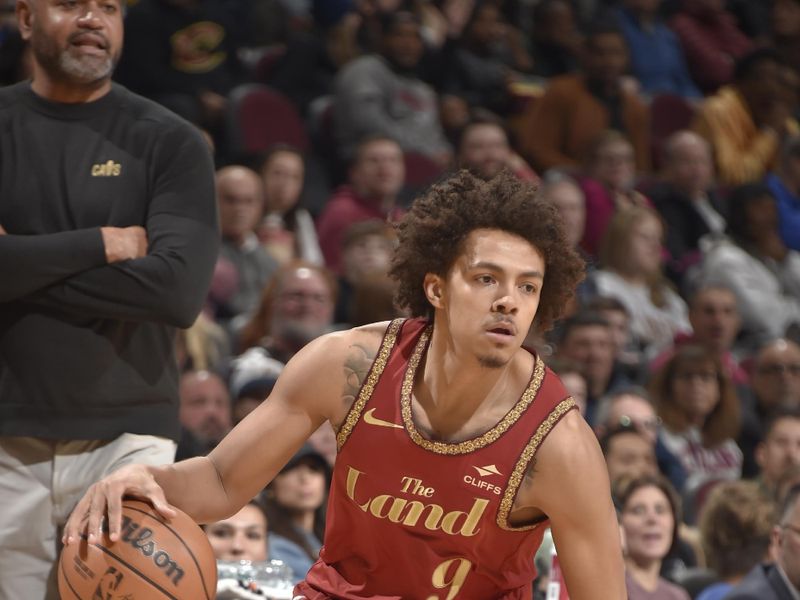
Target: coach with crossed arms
<point x="108" y="238"/>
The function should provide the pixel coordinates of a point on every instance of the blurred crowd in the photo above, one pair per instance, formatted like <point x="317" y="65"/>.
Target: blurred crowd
<point x="666" y="133"/>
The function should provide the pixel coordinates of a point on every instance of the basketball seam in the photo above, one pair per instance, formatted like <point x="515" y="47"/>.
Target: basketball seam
<point x="66" y="579"/>
<point x="137" y="572"/>
<point x="185" y="545"/>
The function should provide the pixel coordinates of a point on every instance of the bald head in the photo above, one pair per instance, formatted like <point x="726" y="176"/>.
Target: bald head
<point x="241" y="201"/>
<point x="688" y="163"/>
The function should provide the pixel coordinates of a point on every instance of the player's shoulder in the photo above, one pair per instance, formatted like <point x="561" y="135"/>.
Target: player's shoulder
<point x="331" y="350"/>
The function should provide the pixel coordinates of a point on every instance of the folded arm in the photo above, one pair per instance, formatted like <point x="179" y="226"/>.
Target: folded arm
<point x="169" y="284"/>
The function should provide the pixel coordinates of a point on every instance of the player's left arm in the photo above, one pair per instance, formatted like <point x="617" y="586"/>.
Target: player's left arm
<point x="569" y="483"/>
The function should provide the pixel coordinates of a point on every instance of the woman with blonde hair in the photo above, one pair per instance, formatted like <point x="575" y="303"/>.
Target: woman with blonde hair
<point x="632" y="272"/>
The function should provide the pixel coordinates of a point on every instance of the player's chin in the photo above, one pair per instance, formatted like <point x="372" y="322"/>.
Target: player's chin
<point x="493" y="360"/>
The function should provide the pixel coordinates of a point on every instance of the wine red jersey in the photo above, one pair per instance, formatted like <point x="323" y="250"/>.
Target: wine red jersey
<point x="412" y="518"/>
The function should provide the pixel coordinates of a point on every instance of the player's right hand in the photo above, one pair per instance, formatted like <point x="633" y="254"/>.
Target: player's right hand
<point x="103" y="500"/>
<point x="124" y="243"/>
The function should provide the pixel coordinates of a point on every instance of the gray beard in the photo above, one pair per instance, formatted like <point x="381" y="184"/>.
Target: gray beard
<point x="63" y="66"/>
<point x="85" y="70"/>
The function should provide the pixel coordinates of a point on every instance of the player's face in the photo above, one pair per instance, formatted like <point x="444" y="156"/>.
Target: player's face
<point x="490" y="296"/>
<point x="241" y="537"/>
<point x="648" y="523"/>
<point x="74" y="41"/>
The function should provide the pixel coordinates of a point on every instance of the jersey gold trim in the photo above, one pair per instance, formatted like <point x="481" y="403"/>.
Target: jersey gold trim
<point x="468" y="445"/>
<point x="365" y="393"/>
<point x="522" y="464"/>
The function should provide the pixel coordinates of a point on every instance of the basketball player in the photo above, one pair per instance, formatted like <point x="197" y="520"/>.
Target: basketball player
<point x="456" y="445"/>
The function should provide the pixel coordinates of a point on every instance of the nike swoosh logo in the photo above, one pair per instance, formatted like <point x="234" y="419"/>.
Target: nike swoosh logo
<point x="373" y="420"/>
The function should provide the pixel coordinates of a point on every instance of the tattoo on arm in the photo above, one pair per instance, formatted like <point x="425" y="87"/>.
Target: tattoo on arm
<point x="356" y="367"/>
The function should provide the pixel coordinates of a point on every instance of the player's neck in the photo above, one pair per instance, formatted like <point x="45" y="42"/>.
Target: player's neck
<point x="454" y="385"/>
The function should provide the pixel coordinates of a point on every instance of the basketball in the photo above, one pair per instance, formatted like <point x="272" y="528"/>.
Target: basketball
<point x="152" y="559"/>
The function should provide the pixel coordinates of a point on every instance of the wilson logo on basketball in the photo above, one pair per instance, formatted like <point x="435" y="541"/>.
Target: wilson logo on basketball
<point x="149" y="548"/>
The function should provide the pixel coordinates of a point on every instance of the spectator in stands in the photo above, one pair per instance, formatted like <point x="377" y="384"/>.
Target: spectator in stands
<point x="488" y="57"/>
<point x="576" y="108"/>
<point x="380" y="94"/>
<point x="250" y="395"/>
<point x="628" y="454"/>
<point x="745" y="121"/>
<point x="205" y="346"/>
<point x="608" y="185"/>
<point x="296" y="308"/>
<point x="375" y="179"/>
<point x="484" y="149"/>
<point x="205" y="407"/>
<point x="366" y="252"/>
<point x="632" y="406"/>
<point x="240" y="197"/>
<point x="286" y="230"/>
<point x="632" y="272"/>
<point x="781" y="578"/>
<point x="714" y="317"/>
<point x="564" y="192"/>
<point x="784" y="183"/>
<point x="754" y="262"/>
<point x="711" y="42"/>
<point x="556" y="40"/>
<point x="687" y="200"/>
<point x="626" y="353"/>
<point x="295" y="502"/>
<point x="657" y="59"/>
<point x="242" y="536"/>
<point x="785" y="21"/>
<point x="779" y="452"/>
<point x="700" y="413"/>
<point x="735" y="526"/>
<point x="650" y="518"/>
<point x="184" y="55"/>
<point x="569" y="372"/>
<point x="775" y="385"/>
<point x="586" y="339"/>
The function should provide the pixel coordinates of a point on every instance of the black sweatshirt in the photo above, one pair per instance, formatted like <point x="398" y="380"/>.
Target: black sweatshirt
<point x="86" y="348"/>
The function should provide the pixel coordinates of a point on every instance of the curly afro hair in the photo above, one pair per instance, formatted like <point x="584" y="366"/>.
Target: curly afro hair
<point x="432" y="234"/>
